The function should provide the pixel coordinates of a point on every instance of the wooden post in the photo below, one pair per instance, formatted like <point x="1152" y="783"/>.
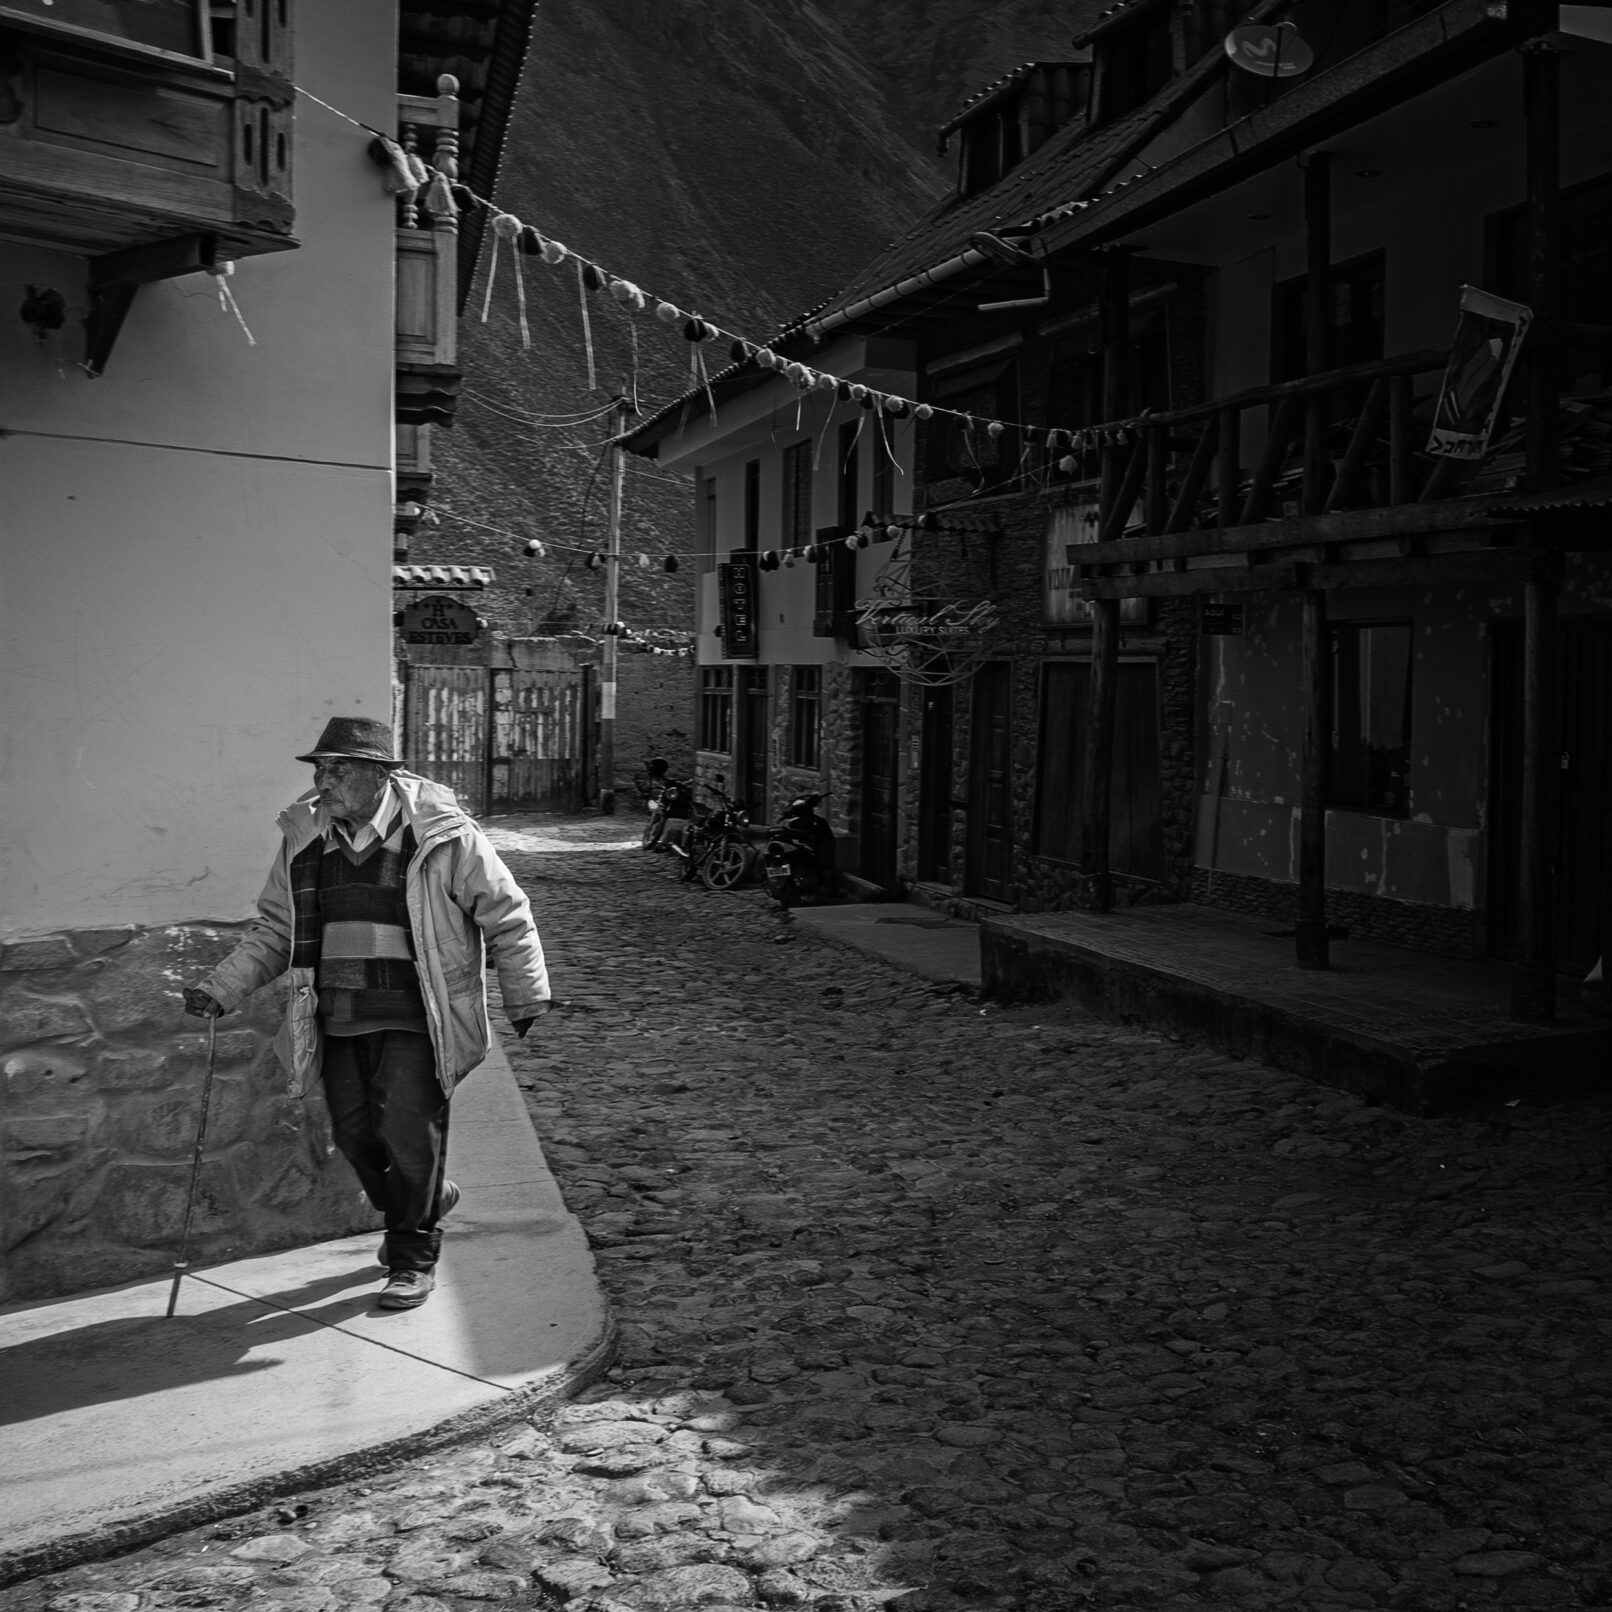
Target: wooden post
<point x="1542" y="169"/>
<point x="1317" y="167"/>
<point x="1311" y="932"/>
<point x="1533" y="985"/>
<point x="1097" y="777"/>
<point x="1312" y="948"/>
<point x="1533" y="988"/>
<point x="607" y="660"/>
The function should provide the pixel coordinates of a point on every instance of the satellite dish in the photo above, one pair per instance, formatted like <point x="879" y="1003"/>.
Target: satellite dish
<point x="1270" y="52"/>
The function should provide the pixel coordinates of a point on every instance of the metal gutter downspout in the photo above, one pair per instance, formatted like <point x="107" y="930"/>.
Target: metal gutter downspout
<point x="892" y="293"/>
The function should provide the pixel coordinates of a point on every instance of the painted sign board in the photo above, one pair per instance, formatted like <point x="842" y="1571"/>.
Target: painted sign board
<point x="736" y="598"/>
<point x="1070" y="528"/>
<point x="439" y="619"/>
<point x="1487" y="335"/>
<point x="1222" y="617"/>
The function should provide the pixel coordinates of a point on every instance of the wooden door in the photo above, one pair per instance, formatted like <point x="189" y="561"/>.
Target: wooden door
<point x="537" y="754"/>
<point x="750" y="742"/>
<point x="988" y="868"/>
<point x="881" y="709"/>
<point x="445" y="729"/>
<point x="935" y="788"/>
<point x="1583" y="841"/>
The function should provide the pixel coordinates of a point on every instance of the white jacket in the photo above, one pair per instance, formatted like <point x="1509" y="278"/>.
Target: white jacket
<point x="464" y="906"/>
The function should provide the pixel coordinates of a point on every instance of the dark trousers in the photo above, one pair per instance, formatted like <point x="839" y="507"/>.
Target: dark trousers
<point x="389" y="1117"/>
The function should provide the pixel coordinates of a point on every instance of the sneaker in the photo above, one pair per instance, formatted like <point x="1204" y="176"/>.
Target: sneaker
<point x="447" y="1199"/>
<point x="406" y="1288"/>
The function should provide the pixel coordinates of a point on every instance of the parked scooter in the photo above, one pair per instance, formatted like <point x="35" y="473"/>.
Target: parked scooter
<point x="799" y="859"/>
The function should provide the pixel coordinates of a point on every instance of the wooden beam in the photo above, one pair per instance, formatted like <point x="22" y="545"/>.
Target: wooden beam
<point x="1361" y="442"/>
<point x="1541" y="87"/>
<point x="1203" y="453"/>
<point x="1228" y="473"/>
<point x="157" y="260"/>
<point x="1097" y="776"/>
<point x="1270" y="460"/>
<point x="1342" y="526"/>
<point x="1311" y="944"/>
<point x="1317" y="166"/>
<point x="1533" y="985"/>
<point x="115" y="277"/>
<point x="1508" y="567"/>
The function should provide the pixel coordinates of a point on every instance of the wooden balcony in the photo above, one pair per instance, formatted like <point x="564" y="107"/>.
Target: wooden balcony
<point x="178" y="130"/>
<point x="428" y="374"/>
<point x="1313" y="483"/>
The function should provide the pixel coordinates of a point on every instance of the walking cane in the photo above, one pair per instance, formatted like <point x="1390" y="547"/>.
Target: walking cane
<point x="182" y="1264"/>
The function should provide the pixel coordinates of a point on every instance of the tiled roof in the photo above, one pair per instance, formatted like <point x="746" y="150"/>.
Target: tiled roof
<point x="1114" y="14"/>
<point x="1587" y="498"/>
<point x="441" y="576"/>
<point x="991" y="91"/>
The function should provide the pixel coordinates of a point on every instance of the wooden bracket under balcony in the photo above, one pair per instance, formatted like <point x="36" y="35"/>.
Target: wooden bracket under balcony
<point x="115" y="277"/>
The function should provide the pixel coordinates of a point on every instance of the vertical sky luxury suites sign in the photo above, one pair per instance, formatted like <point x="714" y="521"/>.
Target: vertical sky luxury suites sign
<point x="736" y="596"/>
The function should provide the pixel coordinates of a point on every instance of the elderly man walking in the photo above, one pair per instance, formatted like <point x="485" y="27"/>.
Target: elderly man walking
<point x="383" y="904"/>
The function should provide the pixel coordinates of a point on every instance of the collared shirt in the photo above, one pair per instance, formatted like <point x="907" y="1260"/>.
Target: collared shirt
<point x="377" y="828"/>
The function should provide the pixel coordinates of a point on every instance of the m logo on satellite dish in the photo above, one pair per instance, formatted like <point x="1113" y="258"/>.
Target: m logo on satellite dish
<point x="1276" y="52"/>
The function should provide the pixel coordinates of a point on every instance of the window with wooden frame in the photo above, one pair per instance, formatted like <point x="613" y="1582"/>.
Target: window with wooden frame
<point x="1368" y="763"/>
<point x="836" y="583"/>
<point x="1354" y="317"/>
<point x="716" y="709"/>
<point x="1132" y="64"/>
<point x="805" y="715"/>
<point x="964" y="447"/>
<point x="795" y="526"/>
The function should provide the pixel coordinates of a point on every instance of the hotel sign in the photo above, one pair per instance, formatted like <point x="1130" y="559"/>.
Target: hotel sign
<point x="737" y="599"/>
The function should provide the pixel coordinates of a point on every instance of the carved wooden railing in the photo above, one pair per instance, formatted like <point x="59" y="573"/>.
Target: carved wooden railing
<point x="1185" y="467"/>
<point x="427" y="258"/>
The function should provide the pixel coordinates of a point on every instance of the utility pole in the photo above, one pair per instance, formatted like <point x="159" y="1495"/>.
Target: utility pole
<point x="607" y="670"/>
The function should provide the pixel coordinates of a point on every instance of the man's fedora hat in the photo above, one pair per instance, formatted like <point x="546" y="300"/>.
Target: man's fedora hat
<point x="360" y="737"/>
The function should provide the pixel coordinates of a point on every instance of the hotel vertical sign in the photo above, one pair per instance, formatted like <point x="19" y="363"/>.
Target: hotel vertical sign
<point x="737" y="598"/>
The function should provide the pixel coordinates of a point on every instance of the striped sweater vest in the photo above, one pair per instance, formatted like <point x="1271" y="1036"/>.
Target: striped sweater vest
<point x="352" y="929"/>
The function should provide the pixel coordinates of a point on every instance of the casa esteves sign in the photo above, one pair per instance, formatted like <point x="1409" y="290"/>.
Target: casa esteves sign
<point x="438" y="619"/>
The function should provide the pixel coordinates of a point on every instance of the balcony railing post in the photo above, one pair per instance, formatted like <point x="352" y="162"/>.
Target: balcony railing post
<point x="1542" y="166"/>
<point x="1228" y="472"/>
<point x="1097" y="779"/>
<point x="1312" y="947"/>
<point x="1317" y="324"/>
<point x="1156" y="508"/>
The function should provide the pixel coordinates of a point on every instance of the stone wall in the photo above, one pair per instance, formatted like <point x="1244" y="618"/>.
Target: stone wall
<point x="1007" y="567"/>
<point x="101" y="1077"/>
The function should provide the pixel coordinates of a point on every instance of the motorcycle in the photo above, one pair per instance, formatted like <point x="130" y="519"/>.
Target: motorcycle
<point x="669" y="803"/>
<point x="716" y="850"/>
<point x="799" y="859"/>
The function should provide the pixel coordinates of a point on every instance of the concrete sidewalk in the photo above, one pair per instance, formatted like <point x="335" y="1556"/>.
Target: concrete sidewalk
<point x="910" y="936"/>
<point x="118" y="1423"/>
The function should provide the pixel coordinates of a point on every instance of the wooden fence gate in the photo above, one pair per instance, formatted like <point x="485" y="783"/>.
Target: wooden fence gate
<point x="502" y="739"/>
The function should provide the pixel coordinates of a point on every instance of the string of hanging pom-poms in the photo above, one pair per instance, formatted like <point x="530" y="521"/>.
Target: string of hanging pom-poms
<point x="521" y="242"/>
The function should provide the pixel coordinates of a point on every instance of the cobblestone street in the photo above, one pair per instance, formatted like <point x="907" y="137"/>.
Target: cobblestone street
<point x="938" y="1305"/>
